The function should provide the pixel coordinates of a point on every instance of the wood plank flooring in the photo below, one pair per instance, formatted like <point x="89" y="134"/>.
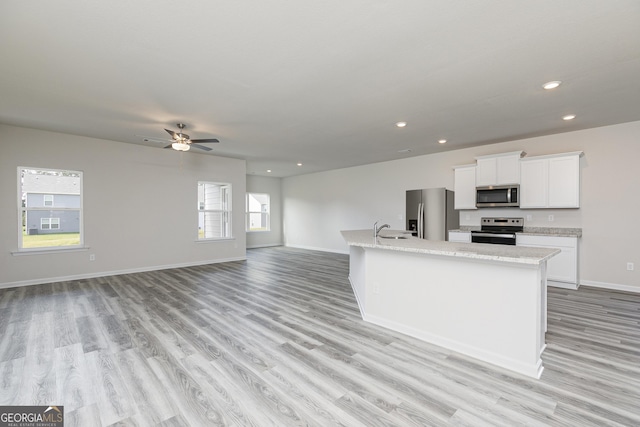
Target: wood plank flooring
<point x="278" y="341"/>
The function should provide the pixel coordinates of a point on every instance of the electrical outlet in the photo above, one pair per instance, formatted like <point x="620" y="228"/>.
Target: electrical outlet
<point x="629" y="266"/>
<point x="467" y="217"/>
<point x="400" y="216"/>
<point x="529" y="217"/>
<point x="376" y="287"/>
<point x="92" y="257"/>
<point x="550" y="218"/>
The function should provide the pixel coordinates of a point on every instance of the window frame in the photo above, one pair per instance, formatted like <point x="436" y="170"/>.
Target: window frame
<point x="249" y="212"/>
<point x="23" y="209"/>
<point x="226" y="211"/>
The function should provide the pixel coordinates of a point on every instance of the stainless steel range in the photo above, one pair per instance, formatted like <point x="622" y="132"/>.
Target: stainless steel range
<point x="498" y="231"/>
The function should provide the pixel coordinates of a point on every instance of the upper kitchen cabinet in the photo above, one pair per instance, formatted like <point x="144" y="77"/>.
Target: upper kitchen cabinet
<point x="464" y="187"/>
<point x="550" y="181"/>
<point x="498" y="169"/>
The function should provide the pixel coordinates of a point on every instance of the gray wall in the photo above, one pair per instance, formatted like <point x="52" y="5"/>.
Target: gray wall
<point x="273" y="187"/>
<point x="317" y="206"/>
<point x="140" y="206"/>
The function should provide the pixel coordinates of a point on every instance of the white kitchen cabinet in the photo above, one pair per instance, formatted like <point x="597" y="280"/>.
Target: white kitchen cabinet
<point x="550" y="181"/>
<point x="460" y="236"/>
<point x="562" y="269"/>
<point x="534" y="183"/>
<point x="564" y="182"/>
<point x="465" y="187"/>
<point x="498" y="169"/>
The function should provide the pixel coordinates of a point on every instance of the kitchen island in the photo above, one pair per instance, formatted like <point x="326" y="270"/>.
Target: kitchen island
<point x="485" y="301"/>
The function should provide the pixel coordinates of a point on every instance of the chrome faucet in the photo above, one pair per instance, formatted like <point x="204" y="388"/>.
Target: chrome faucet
<point x="376" y="229"/>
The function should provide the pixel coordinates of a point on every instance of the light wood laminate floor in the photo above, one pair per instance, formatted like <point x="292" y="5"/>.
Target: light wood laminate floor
<point x="278" y="341"/>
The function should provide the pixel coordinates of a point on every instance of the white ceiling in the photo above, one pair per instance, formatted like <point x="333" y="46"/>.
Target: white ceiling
<point x="319" y="82"/>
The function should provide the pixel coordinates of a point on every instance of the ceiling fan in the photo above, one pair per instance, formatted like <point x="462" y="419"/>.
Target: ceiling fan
<point x="182" y="142"/>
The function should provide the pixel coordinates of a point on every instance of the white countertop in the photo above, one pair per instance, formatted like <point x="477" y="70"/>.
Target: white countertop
<point x="484" y="251"/>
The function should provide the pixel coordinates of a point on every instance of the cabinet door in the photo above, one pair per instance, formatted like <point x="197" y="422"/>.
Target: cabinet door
<point x="533" y="183"/>
<point x="508" y="170"/>
<point x="563" y="267"/>
<point x="564" y="178"/>
<point x="465" y="187"/>
<point x="460" y="236"/>
<point x="486" y="172"/>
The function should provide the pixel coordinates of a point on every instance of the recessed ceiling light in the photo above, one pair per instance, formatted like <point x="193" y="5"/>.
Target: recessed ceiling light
<point x="299" y="164"/>
<point x="551" y="85"/>
<point x="269" y="170"/>
<point x="442" y="141"/>
<point x="401" y="124"/>
<point x="569" y="117"/>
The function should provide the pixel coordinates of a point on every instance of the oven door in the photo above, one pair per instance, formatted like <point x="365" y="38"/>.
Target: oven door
<point x="493" y="238"/>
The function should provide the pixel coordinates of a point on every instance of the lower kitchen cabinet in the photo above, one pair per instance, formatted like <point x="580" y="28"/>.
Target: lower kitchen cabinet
<point x="460" y="236"/>
<point x="562" y="269"/>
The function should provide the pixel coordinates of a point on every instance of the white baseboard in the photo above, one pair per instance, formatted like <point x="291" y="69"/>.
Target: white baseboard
<point x="268" y="245"/>
<point x="612" y="286"/>
<point x="312" y="248"/>
<point x="572" y="286"/>
<point x="113" y="273"/>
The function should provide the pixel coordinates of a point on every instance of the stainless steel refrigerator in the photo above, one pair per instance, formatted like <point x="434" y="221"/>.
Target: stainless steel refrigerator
<point x="430" y="213"/>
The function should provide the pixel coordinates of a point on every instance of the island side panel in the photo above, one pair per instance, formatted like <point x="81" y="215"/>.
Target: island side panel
<point x="357" y="275"/>
<point x="488" y="310"/>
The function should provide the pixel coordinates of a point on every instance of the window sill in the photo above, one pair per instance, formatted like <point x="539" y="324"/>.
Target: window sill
<point x="213" y="240"/>
<point x="48" y="251"/>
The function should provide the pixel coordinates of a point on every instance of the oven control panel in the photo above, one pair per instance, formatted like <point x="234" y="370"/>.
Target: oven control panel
<point x="511" y="222"/>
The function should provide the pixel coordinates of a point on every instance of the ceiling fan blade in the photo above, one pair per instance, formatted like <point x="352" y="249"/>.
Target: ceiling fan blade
<point x="202" y="147"/>
<point x="205" y="140"/>
<point x="172" y="133"/>
<point x="168" y="146"/>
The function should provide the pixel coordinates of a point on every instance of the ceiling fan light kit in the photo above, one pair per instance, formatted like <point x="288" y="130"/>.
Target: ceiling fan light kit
<point x="180" y="146"/>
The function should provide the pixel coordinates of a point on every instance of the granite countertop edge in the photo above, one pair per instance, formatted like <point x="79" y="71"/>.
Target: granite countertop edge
<point x="534" y="231"/>
<point x="477" y="251"/>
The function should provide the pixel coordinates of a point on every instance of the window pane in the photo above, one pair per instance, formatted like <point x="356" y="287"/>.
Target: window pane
<point x="257" y="212"/>
<point x="211" y="196"/>
<point x="213" y="225"/>
<point x="258" y="222"/>
<point x="214" y="210"/>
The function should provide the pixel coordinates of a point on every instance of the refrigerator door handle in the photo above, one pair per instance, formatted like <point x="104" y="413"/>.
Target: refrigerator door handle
<point x="420" y="221"/>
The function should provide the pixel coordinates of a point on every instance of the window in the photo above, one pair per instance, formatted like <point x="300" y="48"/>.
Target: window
<point x="41" y="225"/>
<point x="50" y="223"/>
<point x="214" y="210"/>
<point x="257" y="212"/>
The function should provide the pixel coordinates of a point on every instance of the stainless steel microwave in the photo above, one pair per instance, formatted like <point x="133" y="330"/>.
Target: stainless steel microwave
<point x="498" y="196"/>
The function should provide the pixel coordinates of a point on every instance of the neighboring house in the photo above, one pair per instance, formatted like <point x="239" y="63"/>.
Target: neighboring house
<point x="48" y="199"/>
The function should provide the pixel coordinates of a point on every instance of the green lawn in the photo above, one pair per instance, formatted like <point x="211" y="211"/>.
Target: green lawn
<point x="49" y="240"/>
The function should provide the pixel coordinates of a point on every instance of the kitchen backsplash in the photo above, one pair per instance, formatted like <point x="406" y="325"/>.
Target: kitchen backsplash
<point x="532" y="217"/>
